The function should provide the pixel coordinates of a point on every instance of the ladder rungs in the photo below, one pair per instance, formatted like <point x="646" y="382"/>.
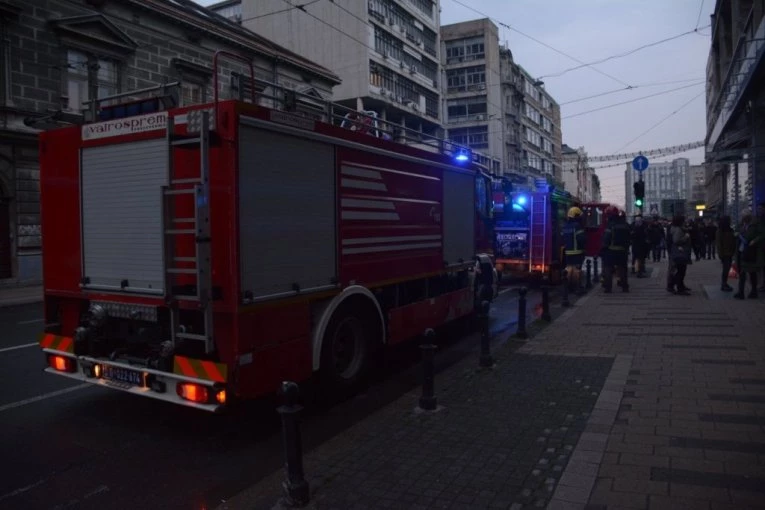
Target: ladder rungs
<point x="186" y="141"/>
<point x="191" y="180"/>
<point x="186" y="297"/>
<point x="179" y="191"/>
<point x="175" y="231"/>
<point x="185" y="259"/>
<point x="178" y="270"/>
<point x="191" y="336"/>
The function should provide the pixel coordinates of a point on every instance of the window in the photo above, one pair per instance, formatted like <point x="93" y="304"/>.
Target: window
<point x="476" y="137"/>
<point x="532" y="113"/>
<point x="533" y="137"/>
<point x="545" y="102"/>
<point x="546" y="145"/>
<point x="192" y="93"/>
<point x="535" y="161"/>
<point x="467" y="78"/>
<point x="464" y="50"/>
<point x="400" y="87"/>
<point x="461" y="108"/>
<point x="390" y="46"/>
<point x="532" y="91"/>
<point x="546" y="124"/>
<point x="87" y="74"/>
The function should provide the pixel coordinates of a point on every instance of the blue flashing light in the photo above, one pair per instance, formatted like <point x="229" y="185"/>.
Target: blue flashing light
<point x="518" y="208"/>
<point x="521" y="200"/>
<point x="462" y="156"/>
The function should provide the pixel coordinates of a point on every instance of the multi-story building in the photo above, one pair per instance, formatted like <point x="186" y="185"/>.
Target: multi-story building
<point x="597" y="196"/>
<point x="578" y="177"/>
<point x="511" y="80"/>
<point x="736" y="89"/>
<point x="665" y="183"/>
<point x="542" y="137"/>
<point x="696" y="184"/>
<point x="57" y="55"/>
<point x="473" y="114"/>
<point x="385" y="51"/>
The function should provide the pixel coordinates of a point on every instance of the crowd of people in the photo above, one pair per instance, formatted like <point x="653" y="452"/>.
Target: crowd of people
<point x="681" y="241"/>
<point x="685" y="241"/>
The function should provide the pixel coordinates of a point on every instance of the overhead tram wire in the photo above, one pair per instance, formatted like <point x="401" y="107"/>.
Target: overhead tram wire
<point x="698" y="19"/>
<point x="631" y="100"/>
<point x="659" y="123"/>
<point x="556" y="50"/>
<point x="625" y="54"/>
<point x="614" y="91"/>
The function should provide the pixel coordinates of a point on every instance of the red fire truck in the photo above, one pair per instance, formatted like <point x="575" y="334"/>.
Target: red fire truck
<point x="204" y="254"/>
<point x="595" y="224"/>
<point x="527" y="230"/>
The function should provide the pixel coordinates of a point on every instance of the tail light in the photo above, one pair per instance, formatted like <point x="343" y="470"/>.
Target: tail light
<point x="193" y="392"/>
<point x="62" y="363"/>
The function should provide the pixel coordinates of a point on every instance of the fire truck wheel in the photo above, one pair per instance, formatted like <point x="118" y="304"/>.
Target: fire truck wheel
<point x="346" y="347"/>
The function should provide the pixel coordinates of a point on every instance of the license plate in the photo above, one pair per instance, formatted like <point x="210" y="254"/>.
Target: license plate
<point x="123" y="375"/>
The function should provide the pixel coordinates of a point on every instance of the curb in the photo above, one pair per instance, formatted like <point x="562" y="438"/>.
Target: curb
<point x="20" y="301"/>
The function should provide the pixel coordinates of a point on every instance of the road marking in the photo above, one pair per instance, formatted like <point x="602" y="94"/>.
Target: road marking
<point x="33" y="321"/>
<point x="23" y="346"/>
<point x="45" y="396"/>
<point x="21" y="490"/>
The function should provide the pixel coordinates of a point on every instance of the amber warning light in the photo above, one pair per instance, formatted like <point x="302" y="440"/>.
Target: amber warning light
<point x="62" y="363"/>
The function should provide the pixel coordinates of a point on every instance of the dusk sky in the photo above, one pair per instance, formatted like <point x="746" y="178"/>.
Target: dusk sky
<point x="592" y="30"/>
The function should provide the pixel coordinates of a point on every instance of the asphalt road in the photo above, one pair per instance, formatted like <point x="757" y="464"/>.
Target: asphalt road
<point x="67" y="445"/>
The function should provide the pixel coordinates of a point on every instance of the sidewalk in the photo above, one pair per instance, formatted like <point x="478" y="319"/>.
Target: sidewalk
<point x="13" y="296"/>
<point x="639" y="400"/>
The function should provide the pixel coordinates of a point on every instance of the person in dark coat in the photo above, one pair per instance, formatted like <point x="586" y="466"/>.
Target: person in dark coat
<point x="639" y="245"/>
<point x="725" y="242"/>
<point x="710" y="232"/>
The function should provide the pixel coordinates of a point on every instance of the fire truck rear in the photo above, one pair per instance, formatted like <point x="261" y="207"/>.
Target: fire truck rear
<point x="201" y="255"/>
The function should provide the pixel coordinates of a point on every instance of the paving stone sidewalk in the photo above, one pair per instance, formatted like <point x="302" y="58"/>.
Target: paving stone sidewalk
<point x="501" y="438"/>
<point x="690" y="427"/>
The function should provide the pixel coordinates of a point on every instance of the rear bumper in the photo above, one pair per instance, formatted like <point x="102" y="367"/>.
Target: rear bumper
<point x="152" y="381"/>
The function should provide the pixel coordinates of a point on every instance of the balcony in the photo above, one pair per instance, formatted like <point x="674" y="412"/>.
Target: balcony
<point x="746" y="58"/>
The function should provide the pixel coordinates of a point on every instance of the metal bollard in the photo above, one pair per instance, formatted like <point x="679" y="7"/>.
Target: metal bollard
<point x="486" y="361"/>
<point x="588" y="282"/>
<point x="428" y="401"/>
<point x="595" y="272"/>
<point x="521" y="333"/>
<point x="546" y="302"/>
<point x="295" y="487"/>
<point x="564" y="299"/>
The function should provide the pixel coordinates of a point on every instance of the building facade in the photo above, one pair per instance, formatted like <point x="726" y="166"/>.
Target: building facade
<point x="736" y="89"/>
<point x="386" y="52"/>
<point x="697" y="185"/>
<point x="56" y="55"/>
<point x="473" y="113"/>
<point x="578" y="177"/>
<point x="665" y="184"/>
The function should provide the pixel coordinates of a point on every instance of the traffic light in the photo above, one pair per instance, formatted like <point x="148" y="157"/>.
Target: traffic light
<point x="639" y="188"/>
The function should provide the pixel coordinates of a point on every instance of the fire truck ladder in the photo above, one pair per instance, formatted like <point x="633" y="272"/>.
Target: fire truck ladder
<point x="197" y="226"/>
<point x="538" y="229"/>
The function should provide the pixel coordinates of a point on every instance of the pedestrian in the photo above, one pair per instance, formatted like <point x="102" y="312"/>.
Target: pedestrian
<point x="710" y="233"/>
<point x="574" y="240"/>
<point x="639" y="240"/>
<point x="655" y="238"/>
<point x="750" y="252"/>
<point x="680" y="255"/>
<point x="725" y="242"/>
<point x="615" y="249"/>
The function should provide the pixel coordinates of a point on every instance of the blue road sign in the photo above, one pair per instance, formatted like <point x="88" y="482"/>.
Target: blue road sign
<point x="640" y="163"/>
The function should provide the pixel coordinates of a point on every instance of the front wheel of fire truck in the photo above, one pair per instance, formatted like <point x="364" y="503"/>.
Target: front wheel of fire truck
<point x="346" y="348"/>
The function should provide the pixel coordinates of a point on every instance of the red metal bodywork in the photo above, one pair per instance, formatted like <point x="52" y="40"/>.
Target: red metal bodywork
<point x="595" y="224"/>
<point x="275" y="334"/>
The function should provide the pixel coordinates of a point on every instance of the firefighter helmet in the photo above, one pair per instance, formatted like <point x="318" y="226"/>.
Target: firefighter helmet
<point x="574" y="212"/>
<point x="611" y="211"/>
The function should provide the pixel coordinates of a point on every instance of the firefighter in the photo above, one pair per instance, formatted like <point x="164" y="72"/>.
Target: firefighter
<point x="615" y="249"/>
<point x="574" y="239"/>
